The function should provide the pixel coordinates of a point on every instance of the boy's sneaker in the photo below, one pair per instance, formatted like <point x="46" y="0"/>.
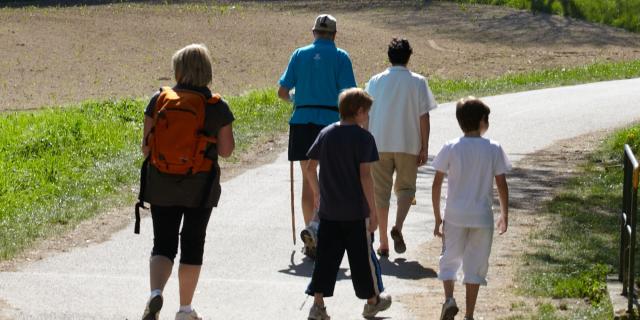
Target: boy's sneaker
<point x="318" y="313"/>
<point x="449" y="309"/>
<point x="370" y="310"/>
<point x="152" y="310"/>
<point x="309" y="238"/>
<point x="187" y="315"/>
<point x="398" y="241"/>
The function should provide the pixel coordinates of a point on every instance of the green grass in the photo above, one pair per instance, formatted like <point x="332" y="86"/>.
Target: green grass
<point x="618" y="13"/>
<point x="581" y="245"/>
<point x="449" y="90"/>
<point x="60" y="166"/>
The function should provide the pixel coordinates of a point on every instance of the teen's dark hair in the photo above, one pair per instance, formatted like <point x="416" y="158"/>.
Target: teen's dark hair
<point x="469" y="112"/>
<point x="399" y="51"/>
<point x="351" y="100"/>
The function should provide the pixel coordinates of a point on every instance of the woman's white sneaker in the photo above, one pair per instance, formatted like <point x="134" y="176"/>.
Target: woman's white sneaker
<point x="187" y="315"/>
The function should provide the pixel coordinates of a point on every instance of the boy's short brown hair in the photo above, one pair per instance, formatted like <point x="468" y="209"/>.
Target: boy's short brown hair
<point x="351" y="100"/>
<point x="470" y="111"/>
<point x="192" y="66"/>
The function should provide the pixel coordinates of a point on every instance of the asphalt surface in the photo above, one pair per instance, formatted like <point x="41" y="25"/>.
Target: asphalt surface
<point x="252" y="270"/>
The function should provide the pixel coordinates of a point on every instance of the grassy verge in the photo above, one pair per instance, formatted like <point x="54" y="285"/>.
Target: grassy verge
<point x="60" y="166"/>
<point x="618" y="13"/>
<point x="449" y="90"/>
<point x="580" y="246"/>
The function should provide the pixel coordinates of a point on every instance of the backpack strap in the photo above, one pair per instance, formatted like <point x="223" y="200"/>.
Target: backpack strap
<point x="140" y="204"/>
<point x="215" y="98"/>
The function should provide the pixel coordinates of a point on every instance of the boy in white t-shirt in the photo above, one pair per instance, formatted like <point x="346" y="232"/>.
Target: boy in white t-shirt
<point x="471" y="163"/>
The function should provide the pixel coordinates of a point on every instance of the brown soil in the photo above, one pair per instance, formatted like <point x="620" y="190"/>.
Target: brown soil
<point x="124" y="50"/>
<point x="534" y="180"/>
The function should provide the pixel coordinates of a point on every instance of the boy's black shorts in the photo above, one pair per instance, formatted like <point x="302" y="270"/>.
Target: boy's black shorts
<point x="301" y="137"/>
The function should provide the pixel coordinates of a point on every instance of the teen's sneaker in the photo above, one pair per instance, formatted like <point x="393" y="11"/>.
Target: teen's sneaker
<point x="308" y="236"/>
<point x="370" y="310"/>
<point x="187" y="315"/>
<point x="449" y="309"/>
<point x="318" y="313"/>
<point x="152" y="310"/>
<point x="398" y="241"/>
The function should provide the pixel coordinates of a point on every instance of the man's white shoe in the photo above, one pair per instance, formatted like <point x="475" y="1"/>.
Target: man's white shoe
<point x="310" y="239"/>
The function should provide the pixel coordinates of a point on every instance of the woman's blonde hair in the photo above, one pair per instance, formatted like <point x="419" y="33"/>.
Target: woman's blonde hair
<point x="192" y="65"/>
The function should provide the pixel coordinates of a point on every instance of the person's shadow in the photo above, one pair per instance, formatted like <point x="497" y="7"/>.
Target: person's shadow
<point x="403" y="269"/>
<point x="305" y="269"/>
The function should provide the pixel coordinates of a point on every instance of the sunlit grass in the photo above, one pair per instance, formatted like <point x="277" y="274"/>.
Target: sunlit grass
<point x="618" y="13"/>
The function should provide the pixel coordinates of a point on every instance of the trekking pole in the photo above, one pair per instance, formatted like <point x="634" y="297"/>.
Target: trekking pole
<point x="293" y="216"/>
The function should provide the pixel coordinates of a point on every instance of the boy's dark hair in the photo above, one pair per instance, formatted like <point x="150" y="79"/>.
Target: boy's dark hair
<point x="351" y="100"/>
<point x="469" y="112"/>
<point x="399" y="51"/>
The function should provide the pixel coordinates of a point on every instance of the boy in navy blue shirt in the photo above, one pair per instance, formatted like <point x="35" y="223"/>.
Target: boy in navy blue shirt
<point x="344" y="199"/>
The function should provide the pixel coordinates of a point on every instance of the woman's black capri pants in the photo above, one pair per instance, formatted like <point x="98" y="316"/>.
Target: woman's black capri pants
<point x="166" y="229"/>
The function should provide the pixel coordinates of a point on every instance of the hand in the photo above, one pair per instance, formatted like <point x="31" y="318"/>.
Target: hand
<point x="437" y="230"/>
<point x="503" y="223"/>
<point x="422" y="157"/>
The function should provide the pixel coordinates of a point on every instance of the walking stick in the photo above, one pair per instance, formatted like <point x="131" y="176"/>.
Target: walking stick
<point x="293" y="216"/>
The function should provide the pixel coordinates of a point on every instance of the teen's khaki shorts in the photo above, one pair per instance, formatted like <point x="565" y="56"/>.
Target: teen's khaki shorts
<point x="406" y="169"/>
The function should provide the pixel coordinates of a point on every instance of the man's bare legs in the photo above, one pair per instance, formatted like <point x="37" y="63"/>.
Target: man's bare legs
<point x="404" y="204"/>
<point x="307" y="195"/>
<point x="383" y="222"/>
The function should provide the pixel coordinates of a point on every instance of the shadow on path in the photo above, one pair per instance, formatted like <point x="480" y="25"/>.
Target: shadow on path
<point x="403" y="269"/>
<point x="305" y="269"/>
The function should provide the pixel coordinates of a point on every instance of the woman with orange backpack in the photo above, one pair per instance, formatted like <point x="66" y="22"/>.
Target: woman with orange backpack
<point x="186" y="128"/>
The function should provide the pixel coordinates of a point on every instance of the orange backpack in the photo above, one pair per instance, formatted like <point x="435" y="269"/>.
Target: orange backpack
<point x="177" y="140"/>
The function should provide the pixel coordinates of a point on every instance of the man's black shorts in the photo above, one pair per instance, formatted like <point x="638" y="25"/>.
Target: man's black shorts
<point x="301" y="137"/>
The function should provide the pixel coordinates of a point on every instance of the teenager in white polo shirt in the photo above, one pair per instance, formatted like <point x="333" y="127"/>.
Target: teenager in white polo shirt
<point x="399" y="121"/>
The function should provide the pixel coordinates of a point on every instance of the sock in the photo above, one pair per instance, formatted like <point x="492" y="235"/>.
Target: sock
<point x="314" y="224"/>
<point x="155" y="293"/>
<point x="185" y="309"/>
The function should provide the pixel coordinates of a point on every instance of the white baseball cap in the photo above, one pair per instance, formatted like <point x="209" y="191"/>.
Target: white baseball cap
<point x="325" y="22"/>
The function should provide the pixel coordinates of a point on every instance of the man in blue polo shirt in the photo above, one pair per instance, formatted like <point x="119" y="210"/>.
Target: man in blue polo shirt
<point x="318" y="73"/>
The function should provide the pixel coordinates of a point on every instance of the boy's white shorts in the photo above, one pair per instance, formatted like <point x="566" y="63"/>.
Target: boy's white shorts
<point x="466" y="247"/>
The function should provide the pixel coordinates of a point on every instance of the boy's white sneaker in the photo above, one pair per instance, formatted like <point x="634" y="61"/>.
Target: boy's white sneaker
<point x="449" y="309"/>
<point x="370" y="310"/>
<point x="187" y="315"/>
<point x="318" y="313"/>
<point x="152" y="310"/>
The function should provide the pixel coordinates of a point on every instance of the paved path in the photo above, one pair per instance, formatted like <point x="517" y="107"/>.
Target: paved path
<point x="252" y="270"/>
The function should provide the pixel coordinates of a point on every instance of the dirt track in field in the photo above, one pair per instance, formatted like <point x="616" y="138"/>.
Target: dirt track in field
<point x="54" y="56"/>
